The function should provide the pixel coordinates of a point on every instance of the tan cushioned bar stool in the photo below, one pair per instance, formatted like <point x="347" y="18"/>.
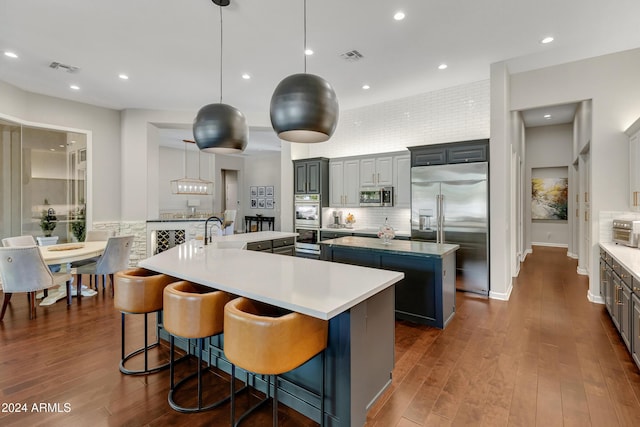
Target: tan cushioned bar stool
<point x="192" y="311"/>
<point x="266" y="340"/>
<point x="139" y="291"/>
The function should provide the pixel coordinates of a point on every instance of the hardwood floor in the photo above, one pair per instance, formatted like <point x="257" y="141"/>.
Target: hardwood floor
<point x="546" y="357"/>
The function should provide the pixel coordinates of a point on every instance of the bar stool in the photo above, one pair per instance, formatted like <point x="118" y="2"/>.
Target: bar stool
<point x="192" y="311"/>
<point x="267" y="340"/>
<point x="139" y="291"/>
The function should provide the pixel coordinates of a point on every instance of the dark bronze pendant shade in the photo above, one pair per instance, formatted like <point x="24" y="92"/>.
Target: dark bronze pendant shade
<point x="220" y="128"/>
<point x="304" y="108"/>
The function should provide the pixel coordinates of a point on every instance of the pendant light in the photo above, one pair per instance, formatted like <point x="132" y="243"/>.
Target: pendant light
<point x="220" y="128"/>
<point x="304" y="107"/>
<point x="191" y="185"/>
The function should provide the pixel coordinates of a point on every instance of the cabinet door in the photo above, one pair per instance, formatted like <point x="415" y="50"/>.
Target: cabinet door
<point x="336" y="183"/>
<point x="467" y="153"/>
<point x="368" y="172"/>
<point x="429" y="156"/>
<point x="634" y="171"/>
<point x="313" y="177"/>
<point x="300" y="177"/>
<point x="402" y="181"/>
<point x="635" y="329"/>
<point x="625" y="314"/>
<point x="617" y="300"/>
<point x="384" y="171"/>
<point x="351" y="183"/>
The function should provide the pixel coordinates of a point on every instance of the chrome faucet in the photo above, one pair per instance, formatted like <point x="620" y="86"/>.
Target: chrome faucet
<point x="214" y="218"/>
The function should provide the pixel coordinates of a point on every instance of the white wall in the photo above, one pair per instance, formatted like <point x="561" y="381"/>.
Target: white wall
<point x="612" y="83"/>
<point x="261" y="171"/>
<point x="548" y="155"/>
<point x="103" y="125"/>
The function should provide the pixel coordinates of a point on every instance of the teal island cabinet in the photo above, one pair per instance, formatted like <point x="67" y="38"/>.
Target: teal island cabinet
<point x="427" y="294"/>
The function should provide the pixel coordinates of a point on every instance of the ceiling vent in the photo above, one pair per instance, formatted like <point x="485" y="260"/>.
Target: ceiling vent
<point x="60" y="66"/>
<point x="352" y="56"/>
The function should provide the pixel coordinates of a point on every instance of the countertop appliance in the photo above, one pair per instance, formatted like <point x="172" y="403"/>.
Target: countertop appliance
<point x="376" y="196"/>
<point x="307" y="223"/>
<point x="626" y="232"/>
<point x="450" y="204"/>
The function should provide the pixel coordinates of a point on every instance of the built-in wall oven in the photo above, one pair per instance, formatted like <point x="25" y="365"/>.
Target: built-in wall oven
<point x="308" y="219"/>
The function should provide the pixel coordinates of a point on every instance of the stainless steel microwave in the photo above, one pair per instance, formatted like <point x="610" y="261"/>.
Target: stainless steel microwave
<point x="376" y="196"/>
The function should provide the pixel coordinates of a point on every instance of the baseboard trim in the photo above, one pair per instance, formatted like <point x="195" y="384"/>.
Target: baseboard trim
<point x="597" y="299"/>
<point x="581" y="271"/>
<point x="552" y="245"/>
<point x="500" y="295"/>
<point x="572" y="255"/>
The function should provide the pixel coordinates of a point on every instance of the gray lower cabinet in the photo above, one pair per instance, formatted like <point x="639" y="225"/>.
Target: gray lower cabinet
<point x="635" y="329"/>
<point x="617" y="289"/>
<point x="284" y="246"/>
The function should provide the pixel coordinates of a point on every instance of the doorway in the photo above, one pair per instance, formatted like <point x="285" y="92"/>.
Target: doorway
<point x="230" y="200"/>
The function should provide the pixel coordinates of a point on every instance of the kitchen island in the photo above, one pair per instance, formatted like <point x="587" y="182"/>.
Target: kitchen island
<point x="358" y="302"/>
<point x="427" y="294"/>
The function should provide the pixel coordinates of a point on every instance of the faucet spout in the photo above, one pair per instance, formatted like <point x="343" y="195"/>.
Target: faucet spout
<point x="206" y="223"/>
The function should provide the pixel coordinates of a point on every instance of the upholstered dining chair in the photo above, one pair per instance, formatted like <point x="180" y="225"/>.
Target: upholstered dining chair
<point x="115" y="258"/>
<point x="26" y="240"/>
<point x="94" y="236"/>
<point x="22" y="269"/>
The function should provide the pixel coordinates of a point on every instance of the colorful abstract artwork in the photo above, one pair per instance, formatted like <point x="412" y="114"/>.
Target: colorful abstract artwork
<point x="549" y="198"/>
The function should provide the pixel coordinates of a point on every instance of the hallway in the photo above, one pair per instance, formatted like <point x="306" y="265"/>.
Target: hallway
<point x="547" y="357"/>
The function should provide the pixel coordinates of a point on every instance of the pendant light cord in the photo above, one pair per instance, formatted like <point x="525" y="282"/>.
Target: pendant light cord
<point x="221" y="54"/>
<point x="305" y="37"/>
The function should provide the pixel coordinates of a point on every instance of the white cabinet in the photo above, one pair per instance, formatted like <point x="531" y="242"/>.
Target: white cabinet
<point x="634" y="165"/>
<point x="344" y="183"/>
<point x="634" y="170"/>
<point x="402" y="180"/>
<point x="376" y="171"/>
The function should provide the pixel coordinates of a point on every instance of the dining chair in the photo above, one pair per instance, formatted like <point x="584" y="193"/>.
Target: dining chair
<point x="26" y="240"/>
<point x="93" y="236"/>
<point x="22" y="269"/>
<point x="115" y="258"/>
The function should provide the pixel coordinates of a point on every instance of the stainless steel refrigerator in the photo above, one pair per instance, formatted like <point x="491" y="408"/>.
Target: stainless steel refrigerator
<point x="450" y="204"/>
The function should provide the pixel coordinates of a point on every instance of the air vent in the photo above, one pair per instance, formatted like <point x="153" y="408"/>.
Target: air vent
<point x="352" y="56"/>
<point x="60" y="66"/>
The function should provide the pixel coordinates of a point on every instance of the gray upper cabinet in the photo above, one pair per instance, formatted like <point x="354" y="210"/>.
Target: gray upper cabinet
<point x="376" y="171"/>
<point x="454" y="152"/>
<point x="311" y="176"/>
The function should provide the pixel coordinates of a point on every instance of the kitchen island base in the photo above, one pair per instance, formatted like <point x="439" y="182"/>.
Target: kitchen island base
<point x="359" y="363"/>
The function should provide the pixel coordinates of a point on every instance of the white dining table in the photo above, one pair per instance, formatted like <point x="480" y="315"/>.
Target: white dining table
<point x="66" y="253"/>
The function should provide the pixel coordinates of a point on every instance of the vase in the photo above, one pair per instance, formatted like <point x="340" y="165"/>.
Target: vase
<point x="47" y="240"/>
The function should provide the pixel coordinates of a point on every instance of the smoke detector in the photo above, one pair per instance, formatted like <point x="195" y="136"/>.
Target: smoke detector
<point x="65" y="67"/>
<point x="352" y="56"/>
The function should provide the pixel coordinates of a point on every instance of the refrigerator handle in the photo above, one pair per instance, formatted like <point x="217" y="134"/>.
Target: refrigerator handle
<point x="438" y="216"/>
<point x="441" y="218"/>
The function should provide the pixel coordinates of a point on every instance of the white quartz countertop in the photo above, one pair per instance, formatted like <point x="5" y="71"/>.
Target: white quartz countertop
<point x="411" y="247"/>
<point x="316" y="288"/>
<point x="628" y="257"/>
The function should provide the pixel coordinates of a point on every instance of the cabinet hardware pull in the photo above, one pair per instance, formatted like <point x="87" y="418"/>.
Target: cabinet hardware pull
<point x="586" y="216"/>
<point x="635" y="198"/>
<point x="577" y="213"/>
<point x="618" y="299"/>
<point x="636" y="289"/>
<point x="586" y="197"/>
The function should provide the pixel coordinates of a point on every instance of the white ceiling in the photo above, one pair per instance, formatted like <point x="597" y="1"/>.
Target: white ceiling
<point x="170" y="48"/>
<point x="551" y="115"/>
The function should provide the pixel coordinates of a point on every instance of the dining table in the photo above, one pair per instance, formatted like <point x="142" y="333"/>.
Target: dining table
<point x="66" y="253"/>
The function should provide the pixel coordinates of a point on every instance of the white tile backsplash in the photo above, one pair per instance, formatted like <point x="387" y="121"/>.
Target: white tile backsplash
<point x="372" y="217"/>
<point x="606" y="222"/>
<point x="453" y="114"/>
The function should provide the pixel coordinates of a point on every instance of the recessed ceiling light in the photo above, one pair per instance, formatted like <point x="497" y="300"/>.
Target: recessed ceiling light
<point x="399" y="16"/>
<point x="73" y="141"/>
<point x="10" y="54"/>
<point x="123" y="76"/>
<point x="442" y="67"/>
<point x="546" y="40"/>
<point x="246" y="76"/>
<point x="308" y="52"/>
<point x="52" y="149"/>
<point x="547" y="116"/>
<point x="74" y="87"/>
<point x="61" y="146"/>
<point x="366" y="87"/>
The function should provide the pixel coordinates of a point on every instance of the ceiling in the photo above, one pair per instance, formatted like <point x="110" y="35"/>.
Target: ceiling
<point x="550" y="115"/>
<point x="170" y="49"/>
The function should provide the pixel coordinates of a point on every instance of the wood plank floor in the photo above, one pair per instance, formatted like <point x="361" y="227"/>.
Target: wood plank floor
<point x="547" y="357"/>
